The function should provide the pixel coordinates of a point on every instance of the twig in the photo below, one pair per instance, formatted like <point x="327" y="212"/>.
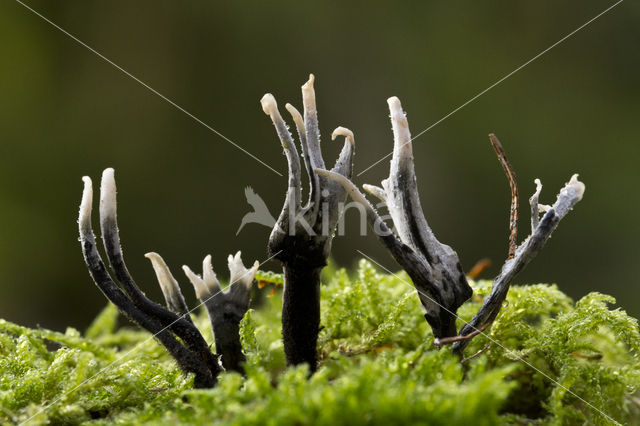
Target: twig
<point x="469" y="358"/>
<point x="480" y="266"/>
<point x="511" y="176"/>
<point x="596" y="355"/>
<point x="453" y="339"/>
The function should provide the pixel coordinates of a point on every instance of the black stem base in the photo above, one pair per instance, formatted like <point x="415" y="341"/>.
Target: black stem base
<point x="301" y="314"/>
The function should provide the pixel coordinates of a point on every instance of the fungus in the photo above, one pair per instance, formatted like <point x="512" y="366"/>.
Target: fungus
<point x="301" y="239"/>
<point x="434" y="267"/>
<point x="172" y="326"/>
<point x="225" y="308"/>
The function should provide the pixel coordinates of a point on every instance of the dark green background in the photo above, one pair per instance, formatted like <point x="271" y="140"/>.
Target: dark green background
<point x="65" y="113"/>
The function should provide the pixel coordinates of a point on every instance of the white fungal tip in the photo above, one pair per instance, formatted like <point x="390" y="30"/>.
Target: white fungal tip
<point x="577" y="186"/>
<point x="371" y="189"/>
<point x="538" y="182"/>
<point x="87" y="181"/>
<point x="309" y="96"/>
<point x="269" y="104"/>
<point x="239" y="273"/>
<point x="309" y="84"/>
<point x="343" y="131"/>
<point x="84" y="218"/>
<point x="236" y="267"/>
<point x="108" y="195"/>
<point x="295" y="114"/>
<point x="168" y="283"/>
<point x="152" y="256"/>
<point x="376" y="191"/>
<point x="209" y="277"/>
<point x="536" y="194"/>
<point x="401" y="135"/>
<point x="201" y="289"/>
<point x="395" y="107"/>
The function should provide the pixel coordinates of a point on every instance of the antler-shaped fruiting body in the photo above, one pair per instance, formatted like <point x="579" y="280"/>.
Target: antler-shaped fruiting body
<point x="174" y="330"/>
<point x="173" y="327"/>
<point x="301" y="238"/>
<point x="433" y="267"/>
<point x="225" y="308"/>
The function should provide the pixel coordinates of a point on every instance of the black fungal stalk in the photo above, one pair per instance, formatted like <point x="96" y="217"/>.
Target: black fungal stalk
<point x="173" y="327"/>
<point x="225" y="308"/>
<point x="302" y="236"/>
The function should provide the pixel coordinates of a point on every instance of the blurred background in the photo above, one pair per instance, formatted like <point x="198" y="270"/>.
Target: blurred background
<point x="65" y="113"/>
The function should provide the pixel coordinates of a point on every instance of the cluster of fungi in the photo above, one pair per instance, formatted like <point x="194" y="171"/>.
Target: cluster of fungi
<point x="301" y="240"/>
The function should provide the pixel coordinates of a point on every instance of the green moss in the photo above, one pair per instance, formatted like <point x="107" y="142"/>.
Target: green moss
<point x="549" y="361"/>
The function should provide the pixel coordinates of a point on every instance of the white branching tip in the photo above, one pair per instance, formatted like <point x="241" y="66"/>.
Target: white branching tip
<point x="535" y="207"/>
<point x="302" y="134"/>
<point x="239" y="273"/>
<point x="84" y="217"/>
<point x="376" y="191"/>
<point x="536" y="195"/>
<point x="208" y="284"/>
<point x="168" y="284"/>
<point x="396" y="113"/>
<point x="108" y="204"/>
<point x="309" y="94"/>
<point x="270" y="108"/>
<point x="538" y="183"/>
<point x="395" y="108"/>
<point x="209" y="276"/>
<point x="202" y="291"/>
<point x="309" y="83"/>
<point x="575" y="185"/>
<point x="343" y="131"/>
<point x="401" y="135"/>
<point x="296" y="116"/>
<point x="269" y="104"/>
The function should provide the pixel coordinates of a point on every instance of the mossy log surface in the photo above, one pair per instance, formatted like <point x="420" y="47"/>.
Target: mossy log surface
<point x="550" y="360"/>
